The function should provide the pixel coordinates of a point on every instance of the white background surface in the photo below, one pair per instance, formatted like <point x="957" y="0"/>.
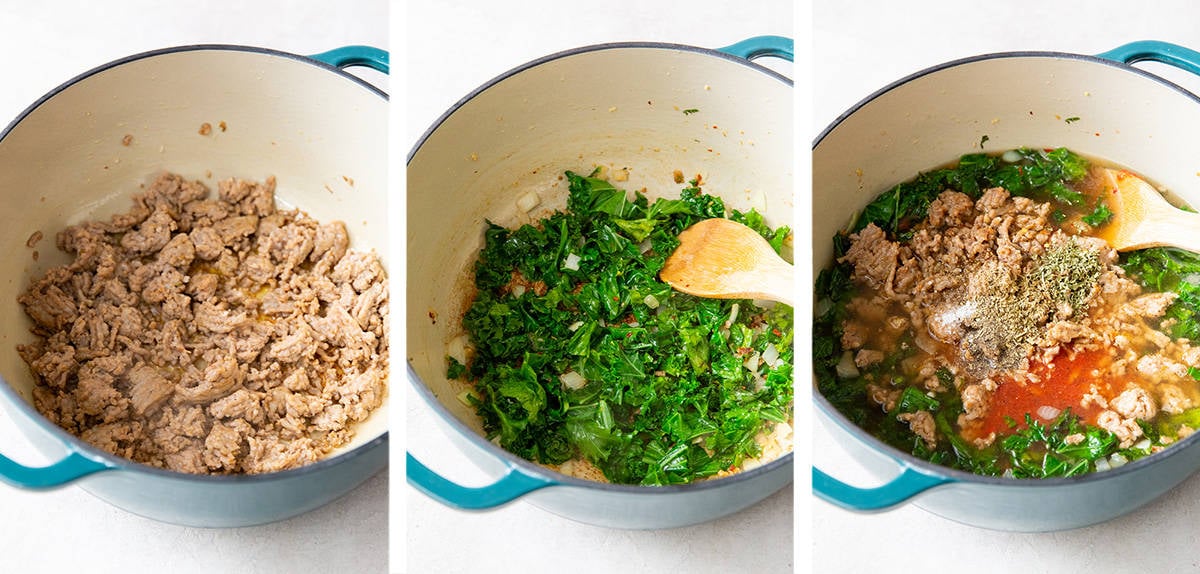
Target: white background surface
<point x="67" y="530"/>
<point x="453" y="47"/>
<point x="858" y="48"/>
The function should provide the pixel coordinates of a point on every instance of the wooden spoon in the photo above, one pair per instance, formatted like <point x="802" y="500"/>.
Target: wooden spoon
<point x="723" y="259"/>
<point x="1142" y="218"/>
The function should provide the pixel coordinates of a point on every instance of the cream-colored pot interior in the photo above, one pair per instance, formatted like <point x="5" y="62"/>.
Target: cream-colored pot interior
<point x="321" y="134"/>
<point x="1124" y="117"/>
<point x="615" y="106"/>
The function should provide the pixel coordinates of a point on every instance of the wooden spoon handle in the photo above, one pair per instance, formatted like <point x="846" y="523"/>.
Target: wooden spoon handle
<point x="777" y="283"/>
<point x="1169" y="227"/>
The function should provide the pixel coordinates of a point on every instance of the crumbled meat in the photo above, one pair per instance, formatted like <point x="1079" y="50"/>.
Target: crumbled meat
<point x="867" y="357"/>
<point x="1174" y="401"/>
<point x="207" y="243"/>
<point x="1151" y="304"/>
<point x="1134" y="403"/>
<point x="1158" y="366"/>
<point x="148" y="389"/>
<point x="873" y="256"/>
<point x="883" y="396"/>
<point x="934" y="292"/>
<point x="950" y="208"/>
<point x="1126" y="430"/>
<point x="852" y="335"/>
<point x="975" y="401"/>
<point x="209" y="335"/>
<point x="152" y="235"/>
<point x="922" y="425"/>
<point x="223" y="446"/>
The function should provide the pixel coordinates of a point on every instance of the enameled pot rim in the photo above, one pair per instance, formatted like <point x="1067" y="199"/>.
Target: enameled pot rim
<point x="75" y="444"/>
<point x="583" y="50"/>
<point x="557" y="478"/>
<point x="956" y="475"/>
<point x="997" y="56"/>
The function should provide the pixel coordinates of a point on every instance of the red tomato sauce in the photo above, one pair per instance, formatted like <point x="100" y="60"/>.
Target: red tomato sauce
<point x="1064" y="383"/>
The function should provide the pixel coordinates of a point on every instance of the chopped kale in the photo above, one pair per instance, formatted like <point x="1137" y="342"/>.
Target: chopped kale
<point x="1099" y="216"/>
<point x="665" y="396"/>
<point x="1066" y="446"/>
<point x="1171" y="269"/>
<point x="1035" y="173"/>
<point x="455" y="369"/>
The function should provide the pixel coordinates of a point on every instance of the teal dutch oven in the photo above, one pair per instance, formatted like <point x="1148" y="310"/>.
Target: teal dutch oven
<point x="1126" y="116"/>
<point x="67" y="158"/>
<point x="511" y="140"/>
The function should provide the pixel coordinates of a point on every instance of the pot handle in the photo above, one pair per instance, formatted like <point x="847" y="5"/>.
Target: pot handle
<point x="72" y="467"/>
<point x="1172" y="54"/>
<point x="514" y="484"/>
<point x="350" y="56"/>
<point x="762" y="46"/>
<point x="908" y="484"/>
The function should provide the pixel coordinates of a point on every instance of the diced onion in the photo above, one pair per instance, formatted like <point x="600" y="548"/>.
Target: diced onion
<point x="1102" y="465"/>
<point x="770" y="355"/>
<point x="1142" y="444"/>
<point x="645" y="245"/>
<point x="572" y="262"/>
<point x="733" y="313"/>
<point x="1011" y="156"/>
<point x="651" y="301"/>
<point x="528" y="201"/>
<point x="1048" y="412"/>
<point x="846" y="369"/>
<point x="464" y="398"/>
<point x="572" y="380"/>
<point x="926" y="343"/>
<point x="1117" y="460"/>
<point x="518" y="290"/>
<point x="822" y="307"/>
<point x="751" y="362"/>
<point x="575" y="326"/>
<point x="457" y="348"/>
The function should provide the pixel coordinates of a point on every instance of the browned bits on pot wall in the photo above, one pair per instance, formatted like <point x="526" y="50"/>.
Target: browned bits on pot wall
<point x="205" y="128"/>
